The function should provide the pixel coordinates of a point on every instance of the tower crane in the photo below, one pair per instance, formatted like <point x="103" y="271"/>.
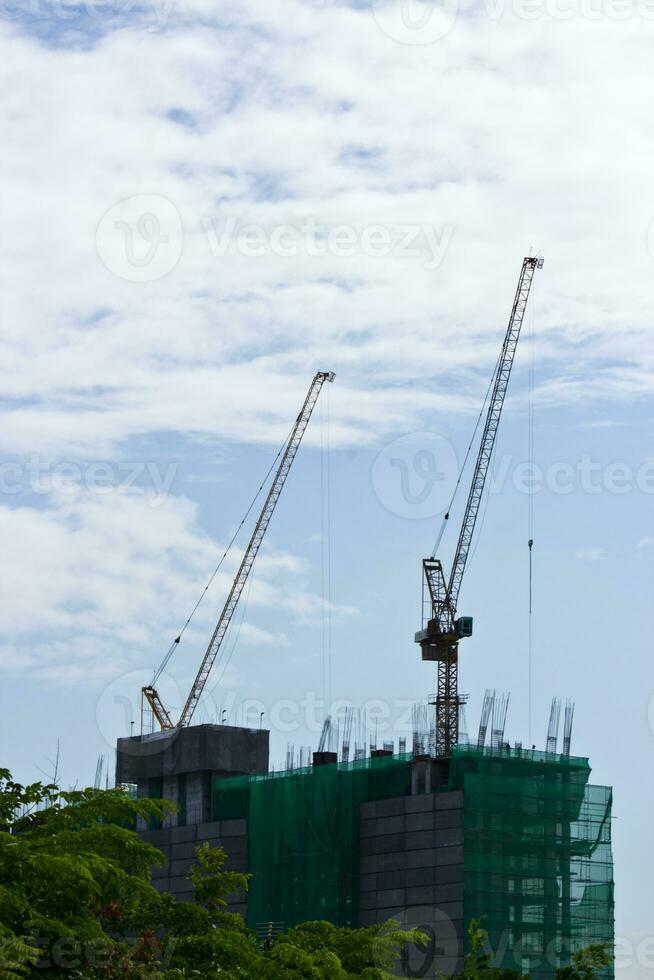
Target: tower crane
<point x="439" y="638"/>
<point x="290" y="451"/>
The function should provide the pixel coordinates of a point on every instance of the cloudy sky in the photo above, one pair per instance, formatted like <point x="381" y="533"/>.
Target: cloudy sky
<point x="202" y="204"/>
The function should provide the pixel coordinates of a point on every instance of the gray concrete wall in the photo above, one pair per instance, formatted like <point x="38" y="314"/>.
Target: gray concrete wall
<point x="412" y="870"/>
<point x="178" y="845"/>
<point x="222" y="749"/>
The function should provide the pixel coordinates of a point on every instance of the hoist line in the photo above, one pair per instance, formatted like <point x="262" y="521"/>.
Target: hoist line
<point x="326" y="550"/>
<point x="462" y="470"/>
<point x="177" y="640"/>
<point x="222" y="662"/>
<point x="530" y="508"/>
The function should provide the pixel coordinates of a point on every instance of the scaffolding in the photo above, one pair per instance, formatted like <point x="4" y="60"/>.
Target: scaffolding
<point x="538" y="868"/>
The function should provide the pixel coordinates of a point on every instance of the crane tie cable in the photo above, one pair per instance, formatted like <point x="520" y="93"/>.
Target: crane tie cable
<point x="530" y="505"/>
<point x="462" y="470"/>
<point x="177" y="640"/>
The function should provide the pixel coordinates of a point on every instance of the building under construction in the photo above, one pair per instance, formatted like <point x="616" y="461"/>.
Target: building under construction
<point x="438" y="836"/>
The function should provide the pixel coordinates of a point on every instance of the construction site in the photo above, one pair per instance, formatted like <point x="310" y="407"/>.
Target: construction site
<point x="437" y="830"/>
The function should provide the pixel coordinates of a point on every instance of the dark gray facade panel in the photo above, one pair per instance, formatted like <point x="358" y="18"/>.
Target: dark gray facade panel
<point x="448" y="893"/>
<point x="420" y="804"/>
<point x="374" y="863"/>
<point x="180" y="834"/>
<point x="390" y="808"/>
<point x="420" y="821"/>
<point x="390" y="825"/>
<point x="448" y="818"/>
<point x="421" y="859"/>
<point x="387" y="844"/>
<point x="449" y="801"/>
<point x="420" y="839"/>
<point x="445" y="875"/>
<point x="450" y="855"/>
<point x="416" y="877"/>
<point x="185" y="850"/>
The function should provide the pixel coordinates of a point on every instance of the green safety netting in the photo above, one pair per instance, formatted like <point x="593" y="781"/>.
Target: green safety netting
<point x="537" y="856"/>
<point x="538" y="867"/>
<point x="303" y="835"/>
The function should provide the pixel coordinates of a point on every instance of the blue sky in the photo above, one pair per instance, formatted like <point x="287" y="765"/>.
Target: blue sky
<point x="204" y="203"/>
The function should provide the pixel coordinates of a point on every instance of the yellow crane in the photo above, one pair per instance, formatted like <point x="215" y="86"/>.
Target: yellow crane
<point x="290" y="451"/>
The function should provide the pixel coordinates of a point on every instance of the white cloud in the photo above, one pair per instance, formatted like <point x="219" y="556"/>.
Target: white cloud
<point x="289" y="113"/>
<point x="591" y="554"/>
<point x="254" y="636"/>
<point x="97" y="584"/>
<point x="646" y="542"/>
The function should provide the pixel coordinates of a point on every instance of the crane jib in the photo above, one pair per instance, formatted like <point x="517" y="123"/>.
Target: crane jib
<point x="209" y="659"/>
<point x="252" y="549"/>
<point x="493" y="416"/>
<point x="439" y="636"/>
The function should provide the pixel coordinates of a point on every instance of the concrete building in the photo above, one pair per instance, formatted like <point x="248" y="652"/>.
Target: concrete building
<point x="521" y="838"/>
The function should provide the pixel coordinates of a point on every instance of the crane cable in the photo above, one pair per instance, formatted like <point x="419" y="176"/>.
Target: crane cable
<point x="326" y="553"/>
<point x="462" y="470"/>
<point x="177" y="640"/>
<point x="225" y="662"/>
<point x="530" y="505"/>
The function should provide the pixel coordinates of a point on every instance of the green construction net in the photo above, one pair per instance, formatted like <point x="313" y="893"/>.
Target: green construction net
<point x="303" y="835"/>
<point x="538" y="868"/>
<point x="537" y="858"/>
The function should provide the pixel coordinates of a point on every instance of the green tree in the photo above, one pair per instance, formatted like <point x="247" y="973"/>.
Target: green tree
<point x="75" y="889"/>
<point x="74" y="881"/>
<point x="369" y="954"/>
<point x="586" y="963"/>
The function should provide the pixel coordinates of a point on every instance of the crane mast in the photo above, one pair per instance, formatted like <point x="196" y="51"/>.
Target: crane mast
<point x="439" y="639"/>
<point x="247" y="562"/>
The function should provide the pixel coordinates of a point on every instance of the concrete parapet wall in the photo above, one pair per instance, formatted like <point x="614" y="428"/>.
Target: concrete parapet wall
<point x="221" y="749"/>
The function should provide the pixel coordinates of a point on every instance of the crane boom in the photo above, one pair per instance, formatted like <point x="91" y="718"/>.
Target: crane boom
<point x="493" y="415"/>
<point x="439" y="639"/>
<point x="252" y="549"/>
